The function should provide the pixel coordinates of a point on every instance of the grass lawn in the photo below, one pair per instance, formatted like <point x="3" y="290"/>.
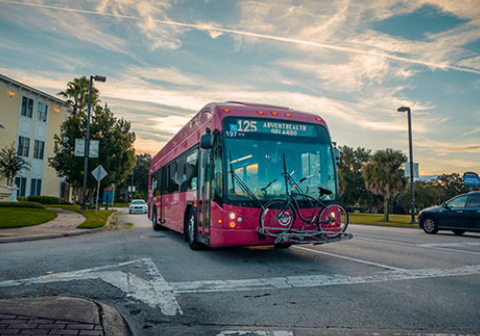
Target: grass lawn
<point x="377" y="219"/>
<point x="93" y="221"/>
<point x="119" y="205"/>
<point x="19" y="217"/>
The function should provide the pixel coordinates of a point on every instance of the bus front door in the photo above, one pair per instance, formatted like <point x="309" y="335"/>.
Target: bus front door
<point x="204" y="193"/>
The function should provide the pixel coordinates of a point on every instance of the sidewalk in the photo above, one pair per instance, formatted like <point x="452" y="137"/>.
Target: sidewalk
<point x="65" y="225"/>
<point x="60" y="316"/>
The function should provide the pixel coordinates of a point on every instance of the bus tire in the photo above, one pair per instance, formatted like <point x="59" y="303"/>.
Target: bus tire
<point x="155" y="225"/>
<point x="192" y="231"/>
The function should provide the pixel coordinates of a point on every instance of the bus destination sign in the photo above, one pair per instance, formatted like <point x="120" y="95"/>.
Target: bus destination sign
<point x="238" y="127"/>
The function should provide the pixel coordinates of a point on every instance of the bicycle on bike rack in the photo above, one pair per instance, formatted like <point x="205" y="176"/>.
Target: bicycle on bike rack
<point x="322" y="221"/>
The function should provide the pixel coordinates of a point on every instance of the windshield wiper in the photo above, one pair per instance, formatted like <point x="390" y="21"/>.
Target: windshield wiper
<point x="243" y="186"/>
<point x="268" y="185"/>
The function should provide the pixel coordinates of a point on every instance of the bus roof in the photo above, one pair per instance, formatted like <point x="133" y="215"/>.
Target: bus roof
<point x="212" y="114"/>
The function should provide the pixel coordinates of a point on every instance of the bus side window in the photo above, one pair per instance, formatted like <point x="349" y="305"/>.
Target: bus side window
<point x="181" y="178"/>
<point x="191" y="167"/>
<point x="217" y="174"/>
<point x="157" y="190"/>
<point x="154" y="184"/>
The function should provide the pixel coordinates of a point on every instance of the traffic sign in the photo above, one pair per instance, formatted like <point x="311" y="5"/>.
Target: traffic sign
<point x="471" y="179"/>
<point x="80" y="148"/>
<point x="99" y="173"/>
<point x="407" y="169"/>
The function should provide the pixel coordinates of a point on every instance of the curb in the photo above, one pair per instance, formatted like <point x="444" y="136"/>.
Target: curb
<point x="388" y="226"/>
<point x="66" y="310"/>
<point x="59" y="235"/>
<point x="112" y="321"/>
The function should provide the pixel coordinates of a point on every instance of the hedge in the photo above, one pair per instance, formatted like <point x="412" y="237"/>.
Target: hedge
<point x="22" y="205"/>
<point x="45" y="199"/>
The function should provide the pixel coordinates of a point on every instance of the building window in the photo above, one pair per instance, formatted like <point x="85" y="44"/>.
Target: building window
<point x="23" y="146"/>
<point x="36" y="187"/>
<point x="21" y="183"/>
<point x="42" y="110"/>
<point x="38" y="149"/>
<point x="27" y="107"/>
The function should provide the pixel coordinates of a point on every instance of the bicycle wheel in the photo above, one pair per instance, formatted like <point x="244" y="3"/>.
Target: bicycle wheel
<point x="334" y="219"/>
<point x="277" y="217"/>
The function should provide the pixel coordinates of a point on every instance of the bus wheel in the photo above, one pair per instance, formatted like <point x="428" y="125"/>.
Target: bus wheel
<point x="192" y="231"/>
<point x="155" y="226"/>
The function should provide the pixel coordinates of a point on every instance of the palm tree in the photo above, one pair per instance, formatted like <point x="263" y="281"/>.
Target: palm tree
<point x="11" y="164"/>
<point x="384" y="176"/>
<point x="77" y="95"/>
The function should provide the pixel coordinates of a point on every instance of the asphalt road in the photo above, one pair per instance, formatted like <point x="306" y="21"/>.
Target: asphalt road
<point x="384" y="280"/>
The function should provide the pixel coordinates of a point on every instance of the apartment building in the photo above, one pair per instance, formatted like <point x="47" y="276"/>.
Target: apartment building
<point x="30" y="119"/>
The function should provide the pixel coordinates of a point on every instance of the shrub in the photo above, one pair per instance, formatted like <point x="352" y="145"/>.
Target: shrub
<point x="21" y="199"/>
<point x="22" y="205"/>
<point x="45" y="199"/>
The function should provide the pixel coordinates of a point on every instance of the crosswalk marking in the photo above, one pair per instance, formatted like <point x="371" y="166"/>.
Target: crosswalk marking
<point x="157" y="292"/>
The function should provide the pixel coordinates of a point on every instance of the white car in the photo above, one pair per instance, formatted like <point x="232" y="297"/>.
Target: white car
<point x="137" y="206"/>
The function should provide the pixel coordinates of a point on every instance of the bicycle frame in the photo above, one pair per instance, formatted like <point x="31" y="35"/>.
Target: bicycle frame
<point x="291" y="199"/>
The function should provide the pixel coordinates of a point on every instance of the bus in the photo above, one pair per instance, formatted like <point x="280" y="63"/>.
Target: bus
<point x="191" y="185"/>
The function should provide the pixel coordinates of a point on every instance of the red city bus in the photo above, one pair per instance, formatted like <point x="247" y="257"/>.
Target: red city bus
<point x="192" y="189"/>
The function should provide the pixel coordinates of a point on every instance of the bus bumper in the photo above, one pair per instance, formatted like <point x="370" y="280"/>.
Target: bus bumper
<point x="238" y="237"/>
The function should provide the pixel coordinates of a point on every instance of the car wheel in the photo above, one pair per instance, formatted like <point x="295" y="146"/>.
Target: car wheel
<point x="155" y="226"/>
<point x="192" y="231"/>
<point x="459" y="232"/>
<point x="429" y="225"/>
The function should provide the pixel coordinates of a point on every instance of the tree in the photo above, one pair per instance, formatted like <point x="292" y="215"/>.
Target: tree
<point x="116" y="152"/>
<point x="426" y="194"/>
<point x="140" y="172"/>
<point x="384" y="176"/>
<point x="450" y="185"/>
<point x="351" y="181"/>
<point x="11" y="164"/>
<point x="77" y="95"/>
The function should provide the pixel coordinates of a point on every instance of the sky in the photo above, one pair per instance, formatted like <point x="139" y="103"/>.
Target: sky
<point x="351" y="62"/>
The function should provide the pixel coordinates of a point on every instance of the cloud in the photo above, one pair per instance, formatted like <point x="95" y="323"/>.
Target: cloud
<point x="444" y="148"/>
<point x="349" y="76"/>
<point x="148" y="146"/>
<point x="68" y="22"/>
<point x="170" y="124"/>
<point x="473" y="131"/>
<point x="164" y="32"/>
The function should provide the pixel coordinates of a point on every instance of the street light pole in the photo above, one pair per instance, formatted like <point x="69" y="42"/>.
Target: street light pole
<point x="410" y="143"/>
<point x="87" y="139"/>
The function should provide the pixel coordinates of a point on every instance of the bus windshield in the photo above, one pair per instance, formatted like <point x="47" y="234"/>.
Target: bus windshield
<point x="256" y="154"/>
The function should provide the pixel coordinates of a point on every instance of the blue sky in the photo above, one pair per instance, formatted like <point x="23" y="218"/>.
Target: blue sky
<point x="352" y="62"/>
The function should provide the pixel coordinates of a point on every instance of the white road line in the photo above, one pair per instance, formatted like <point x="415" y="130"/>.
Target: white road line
<point x="428" y="246"/>
<point x="158" y="292"/>
<point x="168" y="304"/>
<point x="349" y="258"/>
<point x="449" y="244"/>
<point x="215" y="286"/>
<point x="143" y="290"/>
<point x="89" y="273"/>
<point x="256" y="333"/>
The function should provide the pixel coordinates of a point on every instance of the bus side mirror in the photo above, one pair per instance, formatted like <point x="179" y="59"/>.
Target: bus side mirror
<point x="336" y="152"/>
<point x="206" y="140"/>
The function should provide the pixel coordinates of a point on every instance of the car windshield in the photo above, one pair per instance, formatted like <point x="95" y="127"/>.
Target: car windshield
<point x="138" y="202"/>
<point x="258" y="161"/>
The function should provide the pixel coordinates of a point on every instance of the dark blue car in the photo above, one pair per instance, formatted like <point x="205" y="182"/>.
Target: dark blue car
<point x="459" y="214"/>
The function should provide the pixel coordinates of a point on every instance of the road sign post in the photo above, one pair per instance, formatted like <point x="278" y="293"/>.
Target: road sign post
<point x="99" y="173"/>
